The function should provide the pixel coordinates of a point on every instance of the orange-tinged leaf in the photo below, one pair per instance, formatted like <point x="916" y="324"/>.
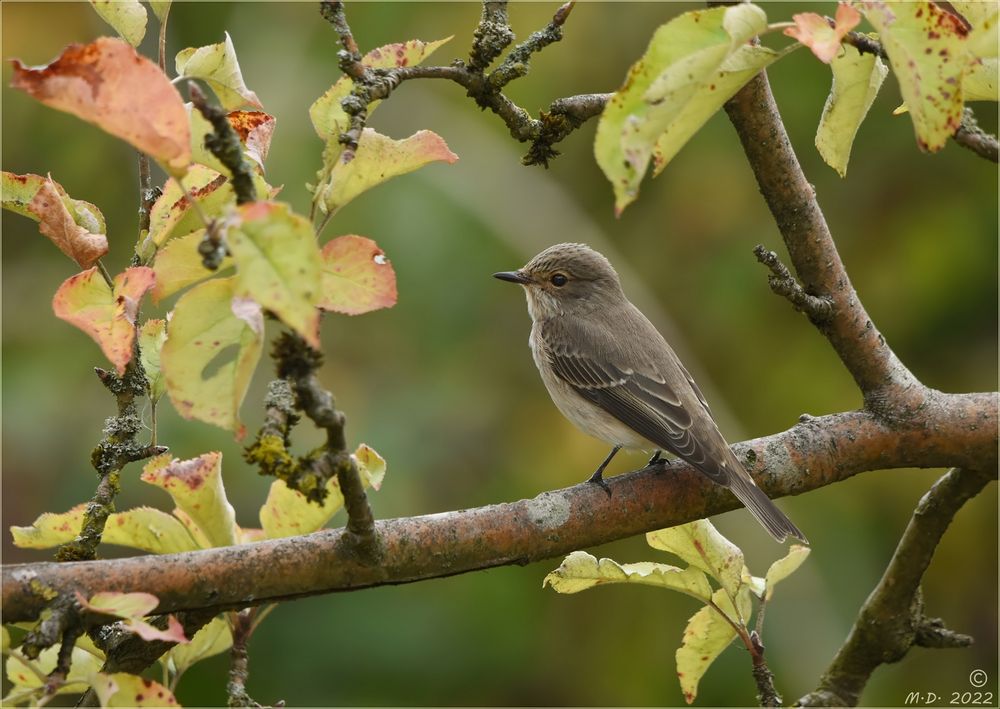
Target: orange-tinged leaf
<point x="196" y="486"/>
<point x="277" y="264"/>
<point x="377" y="159"/>
<point x="255" y="129"/>
<point x="56" y="223"/>
<point x="357" y="277"/>
<point x="813" y="31"/>
<point x="75" y="226"/>
<point x="109" y="84"/>
<point x="214" y="341"/>
<point x="926" y="48"/>
<point x="106" y="314"/>
<point x="173" y="633"/>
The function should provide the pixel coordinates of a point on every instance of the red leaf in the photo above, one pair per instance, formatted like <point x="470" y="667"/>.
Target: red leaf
<point x="57" y="223"/>
<point x="815" y="32"/>
<point x="106" y="314"/>
<point x="109" y="84"/>
<point x="357" y="277"/>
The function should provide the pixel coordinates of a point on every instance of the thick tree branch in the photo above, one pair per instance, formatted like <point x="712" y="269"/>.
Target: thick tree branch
<point x="892" y="620"/>
<point x="889" y="388"/>
<point x="949" y="430"/>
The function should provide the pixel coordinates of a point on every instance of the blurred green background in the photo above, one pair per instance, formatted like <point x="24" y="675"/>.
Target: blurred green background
<point x="443" y="386"/>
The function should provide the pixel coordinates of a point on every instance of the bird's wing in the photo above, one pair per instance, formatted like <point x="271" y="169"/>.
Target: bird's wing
<point x="651" y="393"/>
<point x="645" y="402"/>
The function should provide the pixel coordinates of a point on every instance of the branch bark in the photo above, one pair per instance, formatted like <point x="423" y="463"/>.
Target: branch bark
<point x="949" y="430"/>
<point x="890" y="390"/>
<point x="892" y="620"/>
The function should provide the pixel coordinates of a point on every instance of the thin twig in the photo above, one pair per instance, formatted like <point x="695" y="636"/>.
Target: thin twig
<point x="783" y="283"/>
<point x="970" y="135"/>
<point x="116" y="449"/>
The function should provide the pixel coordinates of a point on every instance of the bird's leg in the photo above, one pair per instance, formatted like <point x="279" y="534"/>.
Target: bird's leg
<point x="598" y="476"/>
<point x="655" y="460"/>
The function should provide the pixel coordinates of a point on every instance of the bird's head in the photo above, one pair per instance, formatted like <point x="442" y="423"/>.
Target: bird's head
<point x="566" y="278"/>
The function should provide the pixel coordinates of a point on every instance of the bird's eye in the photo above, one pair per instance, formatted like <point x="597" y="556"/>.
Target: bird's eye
<point x="558" y="280"/>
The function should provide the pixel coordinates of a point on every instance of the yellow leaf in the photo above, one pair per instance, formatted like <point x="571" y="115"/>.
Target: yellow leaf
<point x="857" y="79"/>
<point x="278" y="264"/>
<point x="214" y="341"/>
<point x="196" y="486"/>
<point x="580" y="571"/>
<point x="128" y="17"/>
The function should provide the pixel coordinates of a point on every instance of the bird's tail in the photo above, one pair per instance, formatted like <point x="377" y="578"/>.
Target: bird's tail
<point x="761" y="507"/>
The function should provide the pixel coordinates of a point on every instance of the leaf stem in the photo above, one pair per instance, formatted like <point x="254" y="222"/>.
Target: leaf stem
<point x="105" y="274"/>
<point x="162" y="54"/>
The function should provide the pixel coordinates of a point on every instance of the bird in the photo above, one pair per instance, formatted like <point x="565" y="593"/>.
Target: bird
<point x="613" y="375"/>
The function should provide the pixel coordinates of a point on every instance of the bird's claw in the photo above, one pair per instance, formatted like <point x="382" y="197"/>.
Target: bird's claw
<point x="598" y="479"/>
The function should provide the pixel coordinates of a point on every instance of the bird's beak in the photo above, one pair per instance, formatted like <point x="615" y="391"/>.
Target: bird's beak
<point x="514" y="277"/>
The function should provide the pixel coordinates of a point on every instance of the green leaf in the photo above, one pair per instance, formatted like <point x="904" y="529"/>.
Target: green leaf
<point x="693" y="65"/>
<point x="152" y="335"/>
<point x="926" y="49"/>
<point x="106" y="314"/>
<point x="75" y="226"/>
<point x="107" y="83"/>
<point x="196" y="487"/>
<point x="707" y="634"/>
<point x="288" y="513"/>
<point x="217" y="65"/>
<point x="127" y="17"/>
<point x="377" y="159"/>
<point x="142" y="528"/>
<point x="160" y="8"/>
<point x="580" y="571"/>
<point x="213" y="639"/>
<point x="784" y="567"/>
<point x="124" y="690"/>
<point x="357" y="277"/>
<point x="700" y="544"/>
<point x="856" y="80"/>
<point x="178" y="265"/>
<point x="329" y="119"/>
<point x="214" y="341"/>
<point x="278" y="264"/>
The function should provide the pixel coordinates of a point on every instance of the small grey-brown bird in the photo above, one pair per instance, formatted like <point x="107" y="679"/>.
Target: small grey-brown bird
<point x="611" y="373"/>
